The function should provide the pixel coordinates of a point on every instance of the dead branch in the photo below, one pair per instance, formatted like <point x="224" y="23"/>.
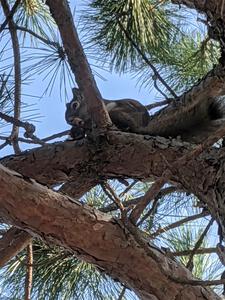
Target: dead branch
<point x="127" y="189"/>
<point x="10" y="15"/>
<point x="55" y="136"/>
<point x="148" y="197"/>
<point x="179" y="223"/>
<point x="197" y="251"/>
<point x="132" y="202"/>
<point x="3" y="145"/>
<point x="29" y="128"/>
<point x="29" y="273"/>
<point x="161" y="194"/>
<point x="198" y="244"/>
<point x="17" y="75"/>
<point x="122" y="293"/>
<point x="12" y="242"/>
<point x="112" y="195"/>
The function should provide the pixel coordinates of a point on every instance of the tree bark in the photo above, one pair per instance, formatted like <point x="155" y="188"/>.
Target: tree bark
<point x="12" y="242"/>
<point x="86" y="164"/>
<point x="78" y="62"/>
<point x="95" y="238"/>
<point x="213" y="8"/>
<point x="109" y="157"/>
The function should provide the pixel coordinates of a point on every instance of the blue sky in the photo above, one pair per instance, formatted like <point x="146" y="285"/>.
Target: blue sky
<point x="52" y="108"/>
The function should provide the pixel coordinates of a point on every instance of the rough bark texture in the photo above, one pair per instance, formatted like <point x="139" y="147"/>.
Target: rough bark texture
<point x="109" y="157"/>
<point x="13" y="241"/>
<point x="79" y="65"/>
<point x="96" y="238"/>
<point x="210" y="7"/>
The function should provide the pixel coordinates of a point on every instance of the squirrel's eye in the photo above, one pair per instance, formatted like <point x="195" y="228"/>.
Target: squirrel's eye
<point x="74" y="105"/>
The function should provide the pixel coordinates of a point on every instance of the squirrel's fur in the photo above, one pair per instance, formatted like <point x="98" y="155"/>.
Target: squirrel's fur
<point x="193" y="120"/>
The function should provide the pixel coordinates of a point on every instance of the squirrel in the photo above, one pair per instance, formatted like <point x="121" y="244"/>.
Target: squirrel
<point x="192" y="120"/>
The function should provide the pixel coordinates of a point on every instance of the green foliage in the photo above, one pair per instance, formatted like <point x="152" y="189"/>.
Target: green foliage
<point x="181" y="57"/>
<point x="58" y="275"/>
<point x="188" y="60"/>
<point x="34" y="15"/>
<point x="148" y="27"/>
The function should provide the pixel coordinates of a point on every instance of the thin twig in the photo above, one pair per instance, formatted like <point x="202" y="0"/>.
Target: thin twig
<point x="132" y="202"/>
<point x="17" y="75"/>
<point x="198" y="244"/>
<point x="3" y="145"/>
<point x="111" y="207"/>
<point x="56" y="135"/>
<point x="148" y="197"/>
<point x="112" y="195"/>
<point x="157" y="104"/>
<point x="29" y="128"/>
<point x="154" y="78"/>
<point x="10" y="15"/>
<point x="122" y="293"/>
<point x="29" y="274"/>
<point x="128" y="188"/>
<point x="151" y="211"/>
<point x="45" y="41"/>
<point x="22" y="140"/>
<point x="156" y="73"/>
<point x="197" y="251"/>
<point x="162" y="193"/>
<point x="35" y="140"/>
<point x="178" y="223"/>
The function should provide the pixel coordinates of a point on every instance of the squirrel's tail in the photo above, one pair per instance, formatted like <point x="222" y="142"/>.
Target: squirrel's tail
<point x="214" y="119"/>
<point x="193" y="122"/>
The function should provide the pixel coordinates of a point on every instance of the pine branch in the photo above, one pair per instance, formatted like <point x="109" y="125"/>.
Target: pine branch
<point x="179" y="223"/>
<point x="112" y="195"/>
<point x="10" y="15"/>
<point x="174" y="168"/>
<point x="147" y="61"/>
<point x="197" y="251"/>
<point x="29" y="273"/>
<point x="39" y="37"/>
<point x="61" y="13"/>
<point x="198" y="244"/>
<point x="161" y="194"/>
<point x="12" y="242"/>
<point x="17" y="75"/>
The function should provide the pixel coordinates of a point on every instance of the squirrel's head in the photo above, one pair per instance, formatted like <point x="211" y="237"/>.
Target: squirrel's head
<point x="76" y="109"/>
